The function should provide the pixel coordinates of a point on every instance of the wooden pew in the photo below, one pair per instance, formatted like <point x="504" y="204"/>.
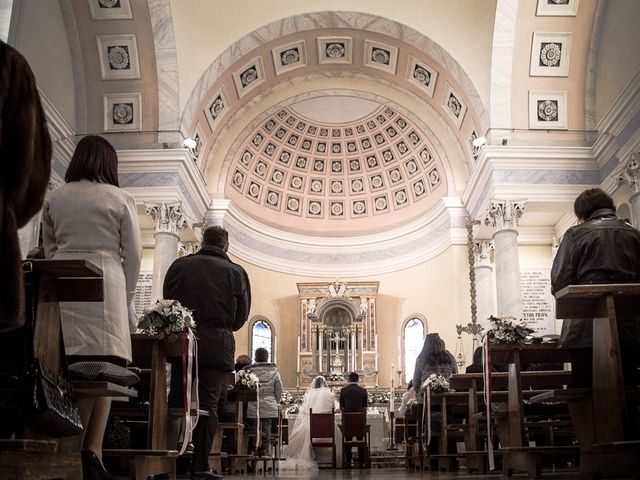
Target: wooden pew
<point x="36" y="456"/>
<point x="151" y="354"/>
<point x="504" y="384"/>
<point x="603" y="447"/>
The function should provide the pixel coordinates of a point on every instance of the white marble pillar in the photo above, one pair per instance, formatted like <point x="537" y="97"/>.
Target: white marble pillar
<point x="503" y="216"/>
<point x="353" y="349"/>
<point x="320" y="345"/>
<point x="169" y="219"/>
<point x="314" y="346"/>
<point x="631" y="175"/>
<point x="483" y="266"/>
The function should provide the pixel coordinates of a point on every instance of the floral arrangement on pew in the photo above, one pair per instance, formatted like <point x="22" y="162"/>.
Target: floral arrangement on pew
<point x="293" y="409"/>
<point x="286" y="398"/>
<point x="168" y="319"/>
<point x="508" y="330"/>
<point x="246" y="380"/>
<point x="436" y="383"/>
<point x="335" y="377"/>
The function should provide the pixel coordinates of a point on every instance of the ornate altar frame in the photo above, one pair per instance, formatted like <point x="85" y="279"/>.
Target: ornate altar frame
<point x="338" y="331"/>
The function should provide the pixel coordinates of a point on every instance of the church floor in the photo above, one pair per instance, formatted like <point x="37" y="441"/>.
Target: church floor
<point x="384" y="473"/>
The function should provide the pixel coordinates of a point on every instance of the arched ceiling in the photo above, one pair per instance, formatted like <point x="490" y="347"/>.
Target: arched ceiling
<point x="336" y="177"/>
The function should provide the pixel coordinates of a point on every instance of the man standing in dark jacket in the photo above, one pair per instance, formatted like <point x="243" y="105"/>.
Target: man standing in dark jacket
<point x="218" y="292"/>
<point x="353" y="398"/>
<point x="602" y="248"/>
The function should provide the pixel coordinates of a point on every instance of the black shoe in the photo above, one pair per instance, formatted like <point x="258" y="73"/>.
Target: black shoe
<point x="92" y="468"/>
<point x="208" y="475"/>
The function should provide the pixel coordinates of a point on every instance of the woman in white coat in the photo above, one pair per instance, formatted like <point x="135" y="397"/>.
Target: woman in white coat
<point x="91" y="218"/>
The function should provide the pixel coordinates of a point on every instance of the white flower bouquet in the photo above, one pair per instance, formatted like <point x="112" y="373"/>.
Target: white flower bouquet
<point x="247" y="380"/>
<point x="293" y="409"/>
<point x="335" y="377"/>
<point x="436" y="383"/>
<point x="167" y="319"/>
<point x="286" y="398"/>
<point x="508" y="330"/>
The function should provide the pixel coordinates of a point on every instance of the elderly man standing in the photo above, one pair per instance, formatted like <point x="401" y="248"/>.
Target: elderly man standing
<point x="218" y="292"/>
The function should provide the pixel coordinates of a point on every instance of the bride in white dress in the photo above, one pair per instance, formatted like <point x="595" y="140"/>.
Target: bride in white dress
<point x="298" y="453"/>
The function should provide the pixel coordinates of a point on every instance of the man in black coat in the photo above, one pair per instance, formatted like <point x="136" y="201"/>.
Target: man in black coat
<point x="353" y="398"/>
<point x="602" y="248"/>
<point x="218" y="292"/>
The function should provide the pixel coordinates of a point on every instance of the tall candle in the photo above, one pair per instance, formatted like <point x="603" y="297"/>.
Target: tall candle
<point x="298" y="356"/>
<point x="399" y="347"/>
<point x="376" y="351"/>
<point x="391" y="400"/>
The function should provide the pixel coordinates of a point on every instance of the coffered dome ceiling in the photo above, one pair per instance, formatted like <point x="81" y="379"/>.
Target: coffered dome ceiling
<point x="312" y="176"/>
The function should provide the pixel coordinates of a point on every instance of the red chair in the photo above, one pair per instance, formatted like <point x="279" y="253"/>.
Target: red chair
<point x="323" y="433"/>
<point x="355" y="433"/>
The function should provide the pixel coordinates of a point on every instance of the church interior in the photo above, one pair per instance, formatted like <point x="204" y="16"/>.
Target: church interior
<point x="385" y="170"/>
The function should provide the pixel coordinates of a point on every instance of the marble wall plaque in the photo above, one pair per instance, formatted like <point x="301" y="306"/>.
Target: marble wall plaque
<point x="557" y="8"/>
<point x="335" y="50"/>
<point x="538" y="305"/>
<point x="122" y="112"/>
<point x="118" y="55"/>
<point x="110" y="9"/>
<point x="550" y="54"/>
<point x="547" y="110"/>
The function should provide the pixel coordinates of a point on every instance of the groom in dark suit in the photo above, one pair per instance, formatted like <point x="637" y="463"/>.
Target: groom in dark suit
<point x="353" y="398"/>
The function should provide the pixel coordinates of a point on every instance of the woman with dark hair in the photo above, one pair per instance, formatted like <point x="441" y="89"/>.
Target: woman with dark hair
<point x="91" y="218"/>
<point x="434" y="358"/>
<point x="602" y="248"/>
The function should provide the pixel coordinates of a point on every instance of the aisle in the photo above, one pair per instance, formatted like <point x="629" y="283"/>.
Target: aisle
<point x="386" y="473"/>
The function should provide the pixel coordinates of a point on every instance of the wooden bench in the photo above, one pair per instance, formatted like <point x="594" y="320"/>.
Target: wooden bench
<point x="99" y="388"/>
<point x="530" y="459"/>
<point x="601" y="419"/>
<point x="54" y="281"/>
<point x="146" y="463"/>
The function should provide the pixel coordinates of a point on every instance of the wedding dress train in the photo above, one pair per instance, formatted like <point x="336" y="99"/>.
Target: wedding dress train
<point x="298" y="453"/>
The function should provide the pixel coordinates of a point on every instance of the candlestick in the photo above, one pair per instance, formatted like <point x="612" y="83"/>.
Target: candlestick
<point x="391" y="400"/>
<point x="298" y="356"/>
<point x="376" y="352"/>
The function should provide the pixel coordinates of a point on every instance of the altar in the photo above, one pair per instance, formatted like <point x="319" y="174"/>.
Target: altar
<point x="338" y="332"/>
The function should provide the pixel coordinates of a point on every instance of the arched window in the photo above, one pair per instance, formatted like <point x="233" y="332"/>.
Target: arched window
<point x="413" y="339"/>
<point x="261" y="337"/>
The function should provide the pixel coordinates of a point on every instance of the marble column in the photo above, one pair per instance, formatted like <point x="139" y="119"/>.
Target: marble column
<point x="169" y="219"/>
<point x="503" y="216"/>
<point x="483" y="266"/>
<point x="187" y="248"/>
<point x="320" y="346"/>
<point x="353" y="349"/>
<point x="631" y="175"/>
<point x="314" y="346"/>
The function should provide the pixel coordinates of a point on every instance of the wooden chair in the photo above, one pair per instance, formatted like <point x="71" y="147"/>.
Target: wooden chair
<point x="323" y="432"/>
<point x="355" y="434"/>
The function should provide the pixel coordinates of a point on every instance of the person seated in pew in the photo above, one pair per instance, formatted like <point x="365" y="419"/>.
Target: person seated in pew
<point x="476" y="365"/>
<point x="602" y="248"/>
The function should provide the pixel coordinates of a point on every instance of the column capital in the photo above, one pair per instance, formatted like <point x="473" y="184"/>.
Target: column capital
<point x="504" y="214"/>
<point x="631" y="173"/>
<point x="168" y="218"/>
<point x="483" y="252"/>
<point x="187" y="248"/>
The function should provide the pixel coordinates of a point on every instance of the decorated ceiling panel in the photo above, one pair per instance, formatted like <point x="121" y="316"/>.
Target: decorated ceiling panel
<point x="381" y="166"/>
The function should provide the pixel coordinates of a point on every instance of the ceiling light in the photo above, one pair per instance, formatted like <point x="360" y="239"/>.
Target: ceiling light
<point x="479" y="141"/>
<point x="189" y="143"/>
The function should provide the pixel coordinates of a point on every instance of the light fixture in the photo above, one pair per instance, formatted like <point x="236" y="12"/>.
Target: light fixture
<point x="190" y="143"/>
<point x="479" y="141"/>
